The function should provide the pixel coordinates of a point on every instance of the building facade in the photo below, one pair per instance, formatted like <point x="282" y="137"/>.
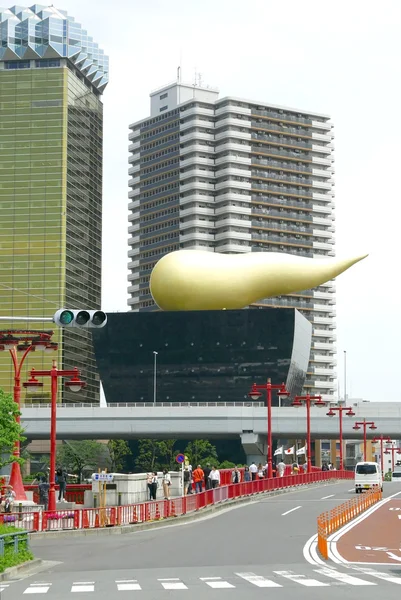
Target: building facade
<point x="52" y="76"/>
<point x="231" y="175"/>
<point x="215" y="357"/>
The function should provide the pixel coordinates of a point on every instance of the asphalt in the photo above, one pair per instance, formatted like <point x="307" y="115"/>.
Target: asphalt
<point x="240" y="553"/>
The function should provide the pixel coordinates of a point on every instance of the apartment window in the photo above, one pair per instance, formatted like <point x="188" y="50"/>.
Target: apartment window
<point x="163" y="108"/>
<point x="163" y="96"/>
<point x="17" y="64"/>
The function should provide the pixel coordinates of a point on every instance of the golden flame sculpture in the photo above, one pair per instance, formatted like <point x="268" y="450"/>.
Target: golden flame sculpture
<point x="201" y="280"/>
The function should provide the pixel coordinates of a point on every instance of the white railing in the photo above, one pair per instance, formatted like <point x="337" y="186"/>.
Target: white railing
<point x="146" y="404"/>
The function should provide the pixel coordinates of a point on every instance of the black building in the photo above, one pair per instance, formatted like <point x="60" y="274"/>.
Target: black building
<point x="202" y="356"/>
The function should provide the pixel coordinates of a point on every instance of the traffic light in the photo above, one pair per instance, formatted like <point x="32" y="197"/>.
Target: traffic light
<point x="68" y="317"/>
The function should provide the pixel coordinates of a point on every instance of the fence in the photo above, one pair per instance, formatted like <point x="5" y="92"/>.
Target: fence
<point x="14" y="539"/>
<point x="332" y="520"/>
<point x="89" y="518"/>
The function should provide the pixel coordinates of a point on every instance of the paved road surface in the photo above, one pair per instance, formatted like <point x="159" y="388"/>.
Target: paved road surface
<point x="233" y="555"/>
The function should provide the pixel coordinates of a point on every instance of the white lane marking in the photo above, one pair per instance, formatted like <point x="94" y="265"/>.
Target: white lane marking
<point x="128" y="585"/>
<point x="172" y="583"/>
<point x="343" y="577"/>
<point x="258" y="580"/>
<point x="302" y="579"/>
<point x="216" y="583"/>
<point x="83" y="586"/>
<point x="38" y="588"/>
<point x="378" y="574"/>
<point x="290" y="511"/>
<point x="352" y="490"/>
<point x="325" y="497"/>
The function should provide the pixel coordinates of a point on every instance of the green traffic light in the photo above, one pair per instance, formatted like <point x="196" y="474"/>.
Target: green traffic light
<point x="66" y="317"/>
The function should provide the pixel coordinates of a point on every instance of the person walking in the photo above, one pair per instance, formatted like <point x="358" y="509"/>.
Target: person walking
<point x="62" y="483"/>
<point x="281" y="468"/>
<point x="166" y="484"/>
<point x="153" y="486"/>
<point x="261" y="472"/>
<point x="253" y="470"/>
<point x="198" y="476"/>
<point x="207" y="479"/>
<point x="236" y="475"/>
<point x="215" y="477"/>
<point x="43" y="488"/>
<point x="149" y="477"/>
<point x="187" y="480"/>
<point x="247" y="474"/>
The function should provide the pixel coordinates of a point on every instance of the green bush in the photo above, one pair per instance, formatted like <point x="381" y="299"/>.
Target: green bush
<point x="10" y="558"/>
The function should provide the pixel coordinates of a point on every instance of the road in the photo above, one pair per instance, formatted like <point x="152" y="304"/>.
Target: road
<point x="234" y="554"/>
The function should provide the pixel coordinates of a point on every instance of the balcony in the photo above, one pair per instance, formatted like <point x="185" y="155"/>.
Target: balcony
<point x="284" y="239"/>
<point x="285" y="178"/>
<point x="283" y="190"/>
<point x="283" y="141"/>
<point x="266" y="224"/>
<point x="298" y="156"/>
<point x="281" y="115"/>
<point x="284" y="166"/>
<point x="282" y="213"/>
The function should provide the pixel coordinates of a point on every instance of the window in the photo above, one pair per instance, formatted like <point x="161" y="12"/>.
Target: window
<point x="366" y="469"/>
<point x="17" y="64"/>
<point x="163" y="96"/>
<point x="163" y="108"/>
<point x="47" y="63"/>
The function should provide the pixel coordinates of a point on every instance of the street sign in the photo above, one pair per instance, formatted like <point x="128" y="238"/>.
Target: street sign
<point x="102" y="477"/>
<point x="180" y="458"/>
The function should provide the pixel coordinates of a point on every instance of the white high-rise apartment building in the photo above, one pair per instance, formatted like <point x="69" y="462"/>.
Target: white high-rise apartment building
<point x="232" y="175"/>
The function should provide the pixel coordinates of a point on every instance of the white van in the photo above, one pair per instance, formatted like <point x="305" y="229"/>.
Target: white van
<point x="367" y="475"/>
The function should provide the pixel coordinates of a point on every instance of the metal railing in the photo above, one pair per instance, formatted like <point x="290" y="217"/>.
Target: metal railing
<point x="14" y="539"/>
<point x="146" y="404"/>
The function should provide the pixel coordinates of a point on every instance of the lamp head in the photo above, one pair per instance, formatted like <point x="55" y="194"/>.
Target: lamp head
<point x="254" y="394"/>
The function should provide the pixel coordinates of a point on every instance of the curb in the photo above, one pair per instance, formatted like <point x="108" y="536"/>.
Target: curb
<point x="22" y="568"/>
<point x="193" y="516"/>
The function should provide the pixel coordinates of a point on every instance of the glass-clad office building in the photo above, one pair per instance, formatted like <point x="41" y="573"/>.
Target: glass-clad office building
<point x="202" y="356"/>
<point x="52" y="76"/>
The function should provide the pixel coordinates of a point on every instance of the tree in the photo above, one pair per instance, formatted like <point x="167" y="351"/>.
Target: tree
<point x="118" y="451"/>
<point x="10" y="430"/>
<point x="76" y="456"/>
<point x="201" y="452"/>
<point x="150" y="455"/>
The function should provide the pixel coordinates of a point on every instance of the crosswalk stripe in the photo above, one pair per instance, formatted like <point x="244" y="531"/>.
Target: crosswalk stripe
<point x="38" y="588"/>
<point x="83" y="586"/>
<point x="258" y="580"/>
<point x="302" y="579"/>
<point x="217" y="583"/>
<point x="172" y="584"/>
<point x="343" y="577"/>
<point x="128" y="585"/>
<point x="378" y="574"/>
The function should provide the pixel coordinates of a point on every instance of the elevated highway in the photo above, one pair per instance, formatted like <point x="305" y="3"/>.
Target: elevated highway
<point x="195" y="420"/>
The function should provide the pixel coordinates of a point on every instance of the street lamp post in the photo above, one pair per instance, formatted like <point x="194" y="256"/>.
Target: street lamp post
<point x="381" y="439"/>
<point x="154" y="376"/>
<point x="25" y="342"/>
<point x="255" y="395"/>
<point x="364" y="424"/>
<point x="74" y="385"/>
<point x="298" y="402"/>
<point x="349" y="413"/>
<point x="393" y="450"/>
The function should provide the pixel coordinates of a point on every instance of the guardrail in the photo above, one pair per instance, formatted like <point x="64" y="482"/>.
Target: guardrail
<point x="332" y="520"/>
<point x="143" y="404"/>
<point x="14" y="539"/>
<point x="90" y="518"/>
<point x="74" y="492"/>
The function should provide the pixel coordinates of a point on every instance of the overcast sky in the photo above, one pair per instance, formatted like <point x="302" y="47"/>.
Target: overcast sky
<point x="337" y="57"/>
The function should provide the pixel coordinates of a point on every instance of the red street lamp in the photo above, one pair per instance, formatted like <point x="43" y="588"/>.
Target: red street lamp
<point x="349" y="413"/>
<point x="75" y="385"/>
<point x="25" y="341"/>
<point x="255" y="394"/>
<point x="381" y="439"/>
<point x="392" y="450"/>
<point x="298" y="402"/>
<point x="364" y="424"/>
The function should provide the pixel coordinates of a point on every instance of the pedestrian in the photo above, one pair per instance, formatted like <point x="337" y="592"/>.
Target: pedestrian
<point x="43" y="488"/>
<point x="198" y="476"/>
<point x="325" y="467"/>
<point x="281" y="468"/>
<point x="207" y="479"/>
<point x="215" y="477"/>
<point x="154" y="485"/>
<point x="253" y="470"/>
<point x="190" y="486"/>
<point x="9" y="500"/>
<point x="247" y="474"/>
<point x="149" y="478"/>
<point x="166" y="484"/>
<point x="62" y="483"/>
<point x="305" y="467"/>
<point x="295" y="469"/>
<point x="187" y="480"/>
<point x="261" y="472"/>
<point x="236" y="475"/>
